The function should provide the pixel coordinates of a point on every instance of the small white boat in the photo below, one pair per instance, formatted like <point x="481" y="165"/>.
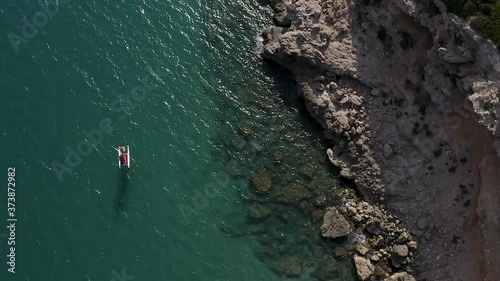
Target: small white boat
<point x="123" y="156"/>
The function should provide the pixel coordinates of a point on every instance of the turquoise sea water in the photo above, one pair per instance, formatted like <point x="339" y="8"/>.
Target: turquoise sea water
<point x="182" y="84"/>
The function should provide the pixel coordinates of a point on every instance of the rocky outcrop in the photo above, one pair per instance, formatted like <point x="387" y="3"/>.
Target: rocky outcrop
<point x="385" y="241"/>
<point x="399" y="254"/>
<point x="409" y="96"/>
<point x="335" y="225"/>
<point x="363" y="45"/>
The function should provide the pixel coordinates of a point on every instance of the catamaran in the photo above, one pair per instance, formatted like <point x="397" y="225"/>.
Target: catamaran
<point x="123" y="156"/>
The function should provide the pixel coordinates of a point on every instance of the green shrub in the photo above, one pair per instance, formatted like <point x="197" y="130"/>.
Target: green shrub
<point x="478" y="23"/>
<point x="485" y="13"/>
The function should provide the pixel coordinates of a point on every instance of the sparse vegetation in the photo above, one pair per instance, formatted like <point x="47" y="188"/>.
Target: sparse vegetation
<point x="485" y="15"/>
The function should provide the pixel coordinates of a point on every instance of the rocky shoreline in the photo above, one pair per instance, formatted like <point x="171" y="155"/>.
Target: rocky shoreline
<point x="409" y="96"/>
<point x="386" y="248"/>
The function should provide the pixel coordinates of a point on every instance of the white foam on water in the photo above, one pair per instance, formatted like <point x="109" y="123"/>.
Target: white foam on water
<point x="259" y="44"/>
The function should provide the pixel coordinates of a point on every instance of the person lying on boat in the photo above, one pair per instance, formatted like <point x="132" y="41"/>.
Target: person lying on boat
<point x="123" y="159"/>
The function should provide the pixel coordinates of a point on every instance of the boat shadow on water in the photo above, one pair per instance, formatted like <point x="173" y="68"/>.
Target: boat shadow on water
<point x="122" y="192"/>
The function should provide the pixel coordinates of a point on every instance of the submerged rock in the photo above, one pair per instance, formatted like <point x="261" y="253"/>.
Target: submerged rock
<point x="320" y="201"/>
<point x="238" y="143"/>
<point x="317" y="215"/>
<point x="293" y="193"/>
<point x="290" y="266"/>
<point x="305" y="207"/>
<point x="258" y="211"/>
<point x="246" y="129"/>
<point x="340" y="252"/>
<point x="265" y="254"/>
<point x="335" y="225"/>
<point x="329" y="270"/>
<point x="308" y="170"/>
<point x="278" y="156"/>
<point x="303" y="236"/>
<point x="261" y="183"/>
<point x="364" y="268"/>
<point x="255" y="229"/>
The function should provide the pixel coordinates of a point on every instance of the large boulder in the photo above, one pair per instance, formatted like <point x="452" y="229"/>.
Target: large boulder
<point x="364" y="268"/>
<point x="374" y="226"/>
<point x="399" y="254"/>
<point x="400" y="276"/>
<point x="335" y="225"/>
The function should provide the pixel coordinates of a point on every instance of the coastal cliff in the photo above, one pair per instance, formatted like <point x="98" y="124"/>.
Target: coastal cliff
<point x="410" y="97"/>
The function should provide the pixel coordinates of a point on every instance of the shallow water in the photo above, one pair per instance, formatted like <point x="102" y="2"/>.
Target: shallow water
<point x="206" y="115"/>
